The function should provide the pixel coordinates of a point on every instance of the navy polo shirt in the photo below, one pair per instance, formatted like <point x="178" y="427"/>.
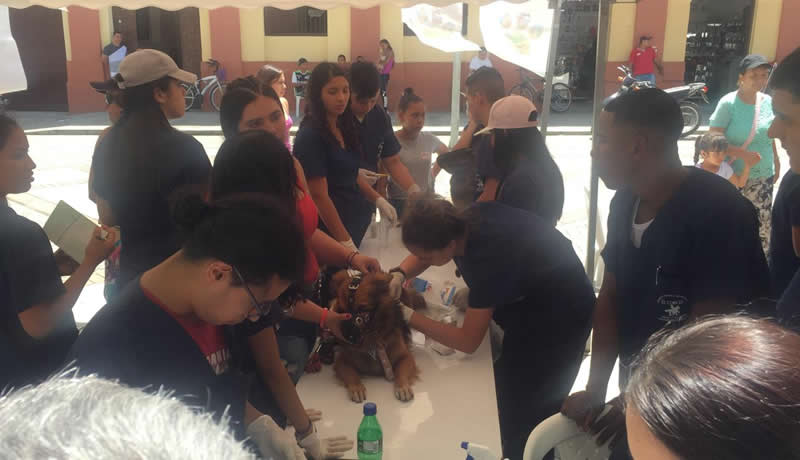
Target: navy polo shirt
<point x="789" y="303"/>
<point x="785" y="214"/>
<point x="535" y="185"/>
<point x="324" y="158"/>
<point x="484" y="158"/>
<point x="702" y="245"/>
<point x="377" y="138"/>
<point x="28" y="277"/>
<point x="137" y="342"/>
<point x="142" y="210"/>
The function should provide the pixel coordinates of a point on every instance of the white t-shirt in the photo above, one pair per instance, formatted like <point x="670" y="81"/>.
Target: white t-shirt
<point x="416" y="155"/>
<point x="725" y="170"/>
<point x="476" y="63"/>
<point x="637" y="230"/>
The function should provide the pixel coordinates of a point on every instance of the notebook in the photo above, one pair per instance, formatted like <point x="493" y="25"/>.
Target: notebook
<point x="69" y="230"/>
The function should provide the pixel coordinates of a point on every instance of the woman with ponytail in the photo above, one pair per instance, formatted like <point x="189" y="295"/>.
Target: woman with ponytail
<point x="524" y="275"/>
<point x="167" y="328"/>
<point x="143" y="166"/>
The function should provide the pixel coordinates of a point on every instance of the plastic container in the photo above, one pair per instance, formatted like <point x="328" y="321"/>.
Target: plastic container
<point x="478" y="452"/>
<point x="370" y="435"/>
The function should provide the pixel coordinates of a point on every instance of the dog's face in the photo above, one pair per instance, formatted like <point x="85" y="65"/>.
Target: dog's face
<point x="375" y="313"/>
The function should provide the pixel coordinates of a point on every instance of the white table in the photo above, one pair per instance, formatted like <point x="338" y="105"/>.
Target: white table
<point x="454" y="399"/>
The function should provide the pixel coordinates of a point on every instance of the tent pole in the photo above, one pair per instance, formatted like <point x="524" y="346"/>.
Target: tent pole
<point x="455" y="104"/>
<point x="599" y="93"/>
<point x="544" y="120"/>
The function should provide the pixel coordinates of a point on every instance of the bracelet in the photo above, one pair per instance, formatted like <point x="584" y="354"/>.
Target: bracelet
<point x="350" y="259"/>
<point x="299" y="436"/>
<point x="323" y="318"/>
<point x="399" y="270"/>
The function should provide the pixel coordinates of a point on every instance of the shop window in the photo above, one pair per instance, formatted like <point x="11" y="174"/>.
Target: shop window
<point x="407" y="32"/>
<point x="299" y="21"/>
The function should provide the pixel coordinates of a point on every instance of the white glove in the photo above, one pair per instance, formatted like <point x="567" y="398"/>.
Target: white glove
<point x="413" y="189"/>
<point x="370" y="177"/>
<point x="274" y="442"/>
<point x="396" y="284"/>
<point x="388" y="211"/>
<point x="407" y="312"/>
<point x="349" y="244"/>
<point x="326" y="448"/>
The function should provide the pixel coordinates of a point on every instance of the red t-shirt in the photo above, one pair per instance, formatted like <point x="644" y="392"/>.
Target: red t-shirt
<point x="209" y="338"/>
<point x="642" y="60"/>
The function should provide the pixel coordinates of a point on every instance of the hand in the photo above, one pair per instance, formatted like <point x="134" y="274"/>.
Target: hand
<point x="436" y="169"/>
<point x="66" y="264"/>
<point x="334" y="323"/>
<point x="387" y="210"/>
<point x="752" y="158"/>
<point x="582" y="407"/>
<point x="370" y="177"/>
<point x="326" y="448"/>
<point x="396" y="284"/>
<point x="100" y="248"/>
<point x="274" y="442"/>
<point x="366" y="264"/>
<point x="611" y="425"/>
<point x="314" y="415"/>
<point x="349" y="245"/>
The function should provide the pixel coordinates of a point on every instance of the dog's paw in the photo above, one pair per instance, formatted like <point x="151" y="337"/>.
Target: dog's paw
<point x="358" y="392"/>
<point x="403" y="392"/>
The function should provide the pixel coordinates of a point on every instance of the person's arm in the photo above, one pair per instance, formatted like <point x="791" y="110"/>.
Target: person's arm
<point x="312" y="313"/>
<point x="330" y="252"/>
<point x="367" y="190"/>
<point x="466" y="136"/>
<point x="41" y="319"/>
<point x="777" y="161"/>
<point x="318" y="187"/>
<point x="605" y="341"/>
<point x="739" y="180"/>
<point x="264" y="347"/>
<point x="796" y="240"/>
<point x="436" y="169"/>
<point x="466" y="338"/>
<point x="736" y="151"/>
<point x="412" y="266"/>
<point x="399" y="172"/>
<point x="489" y="193"/>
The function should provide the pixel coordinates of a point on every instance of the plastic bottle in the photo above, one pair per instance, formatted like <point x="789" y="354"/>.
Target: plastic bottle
<point x="478" y="452"/>
<point x="370" y="435"/>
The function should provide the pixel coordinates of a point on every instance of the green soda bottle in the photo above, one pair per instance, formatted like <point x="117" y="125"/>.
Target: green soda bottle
<point x="370" y="435"/>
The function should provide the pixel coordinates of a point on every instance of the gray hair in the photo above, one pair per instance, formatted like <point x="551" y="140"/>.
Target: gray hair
<point x="70" y="417"/>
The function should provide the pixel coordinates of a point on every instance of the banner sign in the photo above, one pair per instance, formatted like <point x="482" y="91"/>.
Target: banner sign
<point x="518" y="32"/>
<point x="439" y="28"/>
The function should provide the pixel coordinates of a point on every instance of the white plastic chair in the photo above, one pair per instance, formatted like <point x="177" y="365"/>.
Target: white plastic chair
<point x="565" y="436"/>
<point x="297" y="100"/>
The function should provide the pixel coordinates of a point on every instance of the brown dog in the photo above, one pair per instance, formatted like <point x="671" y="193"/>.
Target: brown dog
<point x="378" y="336"/>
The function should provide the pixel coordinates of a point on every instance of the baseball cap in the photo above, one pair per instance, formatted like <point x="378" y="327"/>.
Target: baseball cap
<point x="751" y="62"/>
<point x="104" y="86"/>
<point x="146" y="66"/>
<point x="511" y="112"/>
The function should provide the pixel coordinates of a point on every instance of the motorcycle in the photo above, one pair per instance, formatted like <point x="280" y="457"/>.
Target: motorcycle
<point x="686" y="96"/>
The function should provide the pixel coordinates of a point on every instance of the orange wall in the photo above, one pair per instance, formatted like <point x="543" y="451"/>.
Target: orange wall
<point x="86" y="63"/>
<point x="226" y="43"/>
<point x="789" y="35"/>
<point x="365" y="30"/>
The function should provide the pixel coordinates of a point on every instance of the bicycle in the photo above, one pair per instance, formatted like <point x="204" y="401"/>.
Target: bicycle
<point x="212" y="83"/>
<point x="560" y="100"/>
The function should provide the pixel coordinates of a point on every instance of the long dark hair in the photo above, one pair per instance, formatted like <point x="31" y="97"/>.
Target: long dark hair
<point x="253" y="84"/>
<point x="512" y="145"/>
<point x="432" y="223"/>
<point x="231" y="108"/>
<point x="250" y="232"/>
<point x="267" y="75"/>
<point x="725" y="387"/>
<point x="317" y="115"/>
<point x="254" y="162"/>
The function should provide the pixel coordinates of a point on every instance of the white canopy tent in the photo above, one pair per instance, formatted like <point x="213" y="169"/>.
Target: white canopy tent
<point x="602" y="48"/>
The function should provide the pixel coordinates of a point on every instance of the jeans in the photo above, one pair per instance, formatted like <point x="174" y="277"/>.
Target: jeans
<point x="651" y="77"/>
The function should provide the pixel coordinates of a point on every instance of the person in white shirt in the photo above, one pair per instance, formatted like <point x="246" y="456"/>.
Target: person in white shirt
<point x="481" y="60"/>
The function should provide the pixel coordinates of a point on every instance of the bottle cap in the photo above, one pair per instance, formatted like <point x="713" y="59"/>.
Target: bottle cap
<point x="370" y="409"/>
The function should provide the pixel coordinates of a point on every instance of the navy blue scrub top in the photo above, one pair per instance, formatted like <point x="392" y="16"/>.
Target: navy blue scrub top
<point x="535" y="185"/>
<point x="783" y="262"/>
<point x="28" y="277"/>
<point x="135" y="341"/>
<point x="703" y="245"/>
<point x="523" y="267"/>
<point x="377" y="138"/>
<point x="323" y="158"/>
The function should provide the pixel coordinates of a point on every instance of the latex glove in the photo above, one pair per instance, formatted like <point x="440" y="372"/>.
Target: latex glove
<point x="370" y="177"/>
<point x="387" y="210"/>
<point x="396" y="284"/>
<point x="349" y="244"/>
<point x="274" y="442"/>
<point x="321" y="449"/>
<point x="407" y="313"/>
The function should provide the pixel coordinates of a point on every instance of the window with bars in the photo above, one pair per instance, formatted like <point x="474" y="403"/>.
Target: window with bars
<point x="407" y="32"/>
<point x="305" y="21"/>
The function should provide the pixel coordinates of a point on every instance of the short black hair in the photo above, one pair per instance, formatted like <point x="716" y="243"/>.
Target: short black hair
<point x="488" y="81"/>
<point x="709" y="142"/>
<point x="302" y="61"/>
<point x="787" y="75"/>
<point x="365" y="80"/>
<point x="649" y="108"/>
<point x="7" y="125"/>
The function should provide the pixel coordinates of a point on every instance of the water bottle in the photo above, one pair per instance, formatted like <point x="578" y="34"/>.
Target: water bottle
<point x="370" y="435"/>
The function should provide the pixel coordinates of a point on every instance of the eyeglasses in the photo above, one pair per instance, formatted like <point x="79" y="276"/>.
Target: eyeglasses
<point x="262" y="309"/>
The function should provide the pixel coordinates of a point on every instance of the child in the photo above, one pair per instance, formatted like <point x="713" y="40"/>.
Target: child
<point x="299" y="81"/>
<point x="417" y="147"/>
<point x="712" y="147"/>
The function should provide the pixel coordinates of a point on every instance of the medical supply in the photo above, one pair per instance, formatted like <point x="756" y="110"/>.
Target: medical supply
<point x="448" y="293"/>
<point x="420" y="285"/>
<point x="370" y="435"/>
<point x="444" y="350"/>
<point x="478" y="452"/>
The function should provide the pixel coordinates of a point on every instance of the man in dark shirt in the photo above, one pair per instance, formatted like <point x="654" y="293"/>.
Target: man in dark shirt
<point x="783" y="257"/>
<point x="786" y="128"/>
<point x="378" y="142"/>
<point x="670" y="256"/>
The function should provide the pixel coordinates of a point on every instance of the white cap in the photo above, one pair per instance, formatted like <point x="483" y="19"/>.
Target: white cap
<point x="146" y="66"/>
<point x="511" y="112"/>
